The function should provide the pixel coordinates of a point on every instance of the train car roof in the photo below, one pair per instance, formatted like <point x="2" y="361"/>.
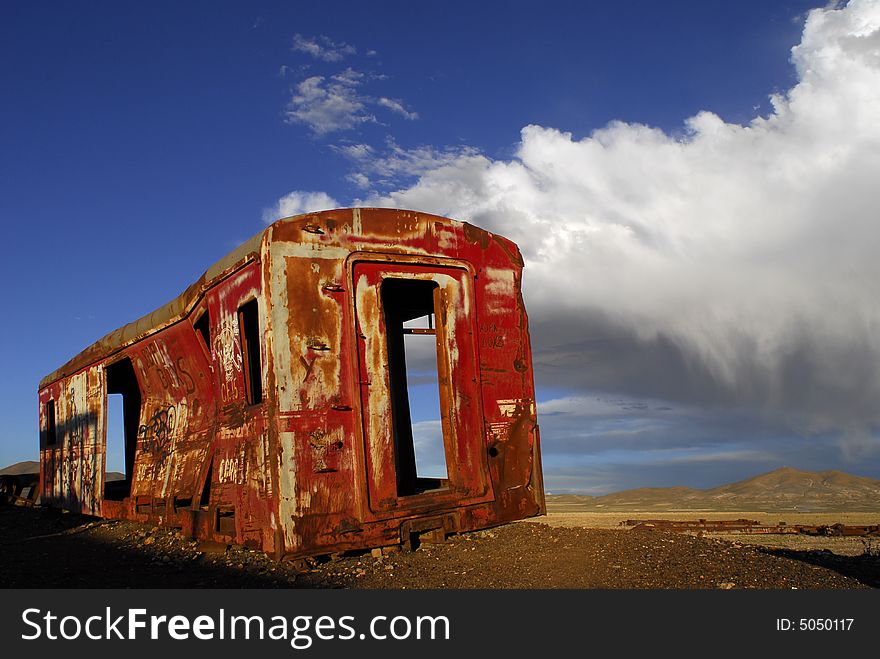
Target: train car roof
<point x="179" y="307"/>
<point x="165" y="315"/>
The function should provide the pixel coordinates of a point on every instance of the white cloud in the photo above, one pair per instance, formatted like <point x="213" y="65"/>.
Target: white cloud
<point x="327" y="106"/>
<point x="342" y="101"/>
<point x="392" y="164"/>
<point x="297" y="203"/>
<point x="397" y="107"/>
<point x="428" y="446"/>
<point x="322" y="48"/>
<point x="733" y="263"/>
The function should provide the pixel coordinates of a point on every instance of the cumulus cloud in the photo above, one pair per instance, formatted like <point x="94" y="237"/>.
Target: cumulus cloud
<point x="598" y="444"/>
<point x="329" y="105"/>
<point x="724" y="265"/>
<point x="397" y="107"/>
<point x="334" y="104"/>
<point x="340" y="102"/>
<point x="322" y="48"/>
<point x="392" y="164"/>
<point x="297" y="203"/>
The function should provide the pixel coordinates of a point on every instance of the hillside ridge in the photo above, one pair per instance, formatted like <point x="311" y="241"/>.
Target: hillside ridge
<point x="782" y="489"/>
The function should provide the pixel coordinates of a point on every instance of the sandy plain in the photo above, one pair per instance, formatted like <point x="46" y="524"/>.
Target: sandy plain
<point x="844" y="546"/>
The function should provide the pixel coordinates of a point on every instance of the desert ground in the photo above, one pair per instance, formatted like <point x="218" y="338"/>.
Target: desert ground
<point x="42" y="548"/>
<point x="843" y="546"/>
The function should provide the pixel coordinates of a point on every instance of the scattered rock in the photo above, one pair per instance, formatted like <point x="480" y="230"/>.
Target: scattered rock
<point x="528" y="555"/>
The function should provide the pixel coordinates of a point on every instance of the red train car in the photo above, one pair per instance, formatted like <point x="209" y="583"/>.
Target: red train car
<point x="271" y="404"/>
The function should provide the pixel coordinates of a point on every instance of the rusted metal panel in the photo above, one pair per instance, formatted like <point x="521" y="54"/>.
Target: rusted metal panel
<point x="72" y="465"/>
<point x="261" y="398"/>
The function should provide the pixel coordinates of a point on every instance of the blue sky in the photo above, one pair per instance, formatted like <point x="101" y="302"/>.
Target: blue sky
<point x="693" y="197"/>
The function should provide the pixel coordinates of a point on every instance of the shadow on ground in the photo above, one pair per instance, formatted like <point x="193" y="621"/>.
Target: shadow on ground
<point x="864" y="568"/>
<point x="46" y="548"/>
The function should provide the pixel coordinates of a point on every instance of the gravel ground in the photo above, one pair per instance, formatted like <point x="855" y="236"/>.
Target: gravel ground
<point x="46" y="548"/>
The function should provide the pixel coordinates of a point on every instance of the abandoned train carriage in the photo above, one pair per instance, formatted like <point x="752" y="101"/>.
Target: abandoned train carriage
<point x="268" y="405"/>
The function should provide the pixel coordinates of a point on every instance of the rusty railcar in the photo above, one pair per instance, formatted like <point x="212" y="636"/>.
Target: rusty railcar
<point x="268" y="405"/>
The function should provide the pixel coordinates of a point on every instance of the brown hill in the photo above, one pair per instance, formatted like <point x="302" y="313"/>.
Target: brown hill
<point x="784" y="489"/>
<point x="26" y="467"/>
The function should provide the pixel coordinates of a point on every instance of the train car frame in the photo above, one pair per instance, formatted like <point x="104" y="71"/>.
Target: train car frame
<point x="269" y="404"/>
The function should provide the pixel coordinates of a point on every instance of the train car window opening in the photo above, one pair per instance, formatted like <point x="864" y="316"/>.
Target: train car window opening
<point x="202" y="327"/>
<point x="409" y="311"/>
<point x="114" y="444"/>
<point x="51" y="429"/>
<point x="249" y="334"/>
<point x="122" y="432"/>
<point x="205" y="499"/>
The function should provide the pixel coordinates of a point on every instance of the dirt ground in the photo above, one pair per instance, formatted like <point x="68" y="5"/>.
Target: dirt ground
<point x="46" y="548"/>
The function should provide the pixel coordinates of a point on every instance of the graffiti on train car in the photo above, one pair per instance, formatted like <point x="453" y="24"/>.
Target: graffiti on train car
<point x="156" y="434"/>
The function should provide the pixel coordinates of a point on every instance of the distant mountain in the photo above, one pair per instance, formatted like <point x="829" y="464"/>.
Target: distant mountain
<point x="26" y="467"/>
<point x="784" y="489"/>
